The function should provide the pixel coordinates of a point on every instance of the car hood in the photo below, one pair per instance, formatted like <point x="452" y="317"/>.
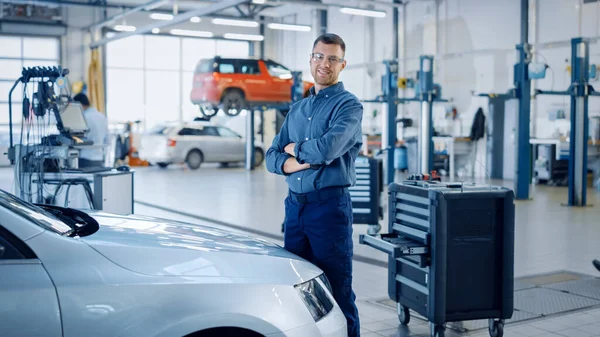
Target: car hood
<point x="160" y="247"/>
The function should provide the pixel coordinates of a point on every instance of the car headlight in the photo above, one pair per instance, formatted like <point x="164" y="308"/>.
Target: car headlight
<point x="315" y="297"/>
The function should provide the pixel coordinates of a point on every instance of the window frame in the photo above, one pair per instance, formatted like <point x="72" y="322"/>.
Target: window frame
<point x="18" y="247"/>
<point x="269" y="63"/>
<point x="233" y="133"/>
<point x="22" y="59"/>
<point x="240" y="64"/>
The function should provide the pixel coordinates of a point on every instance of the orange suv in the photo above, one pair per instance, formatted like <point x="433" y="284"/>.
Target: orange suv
<point x="233" y="84"/>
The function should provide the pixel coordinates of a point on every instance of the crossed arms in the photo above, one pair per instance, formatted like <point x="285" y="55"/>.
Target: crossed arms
<point x="286" y="157"/>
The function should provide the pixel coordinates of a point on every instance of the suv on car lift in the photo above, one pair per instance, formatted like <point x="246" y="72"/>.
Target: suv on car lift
<point x="234" y="84"/>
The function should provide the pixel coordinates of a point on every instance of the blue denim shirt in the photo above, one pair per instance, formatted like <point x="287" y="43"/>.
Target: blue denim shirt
<point x="327" y="130"/>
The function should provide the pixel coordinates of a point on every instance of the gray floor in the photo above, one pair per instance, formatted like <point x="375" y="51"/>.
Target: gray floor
<point x="549" y="237"/>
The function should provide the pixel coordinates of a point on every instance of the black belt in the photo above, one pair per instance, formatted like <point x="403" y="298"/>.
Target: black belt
<point x="324" y="194"/>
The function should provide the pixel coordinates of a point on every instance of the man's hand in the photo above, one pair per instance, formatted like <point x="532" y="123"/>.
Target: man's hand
<point x="289" y="149"/>
<point x="291" y="165"/>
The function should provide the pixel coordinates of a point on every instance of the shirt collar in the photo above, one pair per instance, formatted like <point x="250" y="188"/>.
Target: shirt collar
<point x="339" y="86"/>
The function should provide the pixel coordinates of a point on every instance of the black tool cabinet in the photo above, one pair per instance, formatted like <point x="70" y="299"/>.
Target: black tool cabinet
<point x="451" y="252"/>
<point x="366" y="193"/>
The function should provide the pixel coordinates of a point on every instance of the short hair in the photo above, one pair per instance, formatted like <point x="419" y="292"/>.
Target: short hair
<point x="330" y="38"/>
<point x="82" y="98"/>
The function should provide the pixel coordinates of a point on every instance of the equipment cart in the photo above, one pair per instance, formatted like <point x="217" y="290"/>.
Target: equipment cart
<point x="366" y="193"/>
<point x="451" y="252"/>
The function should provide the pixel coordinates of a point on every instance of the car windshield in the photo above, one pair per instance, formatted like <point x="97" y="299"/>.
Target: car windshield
<point x="159" y="130"/>
<point x="205" y="66"/>
<point x="33" y="213"/>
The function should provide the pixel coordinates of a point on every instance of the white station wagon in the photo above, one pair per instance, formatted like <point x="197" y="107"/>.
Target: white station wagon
<point x="194" y="143"/>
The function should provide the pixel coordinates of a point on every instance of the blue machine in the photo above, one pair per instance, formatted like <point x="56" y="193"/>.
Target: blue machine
<point x="579" y="90"/>
<point x="427" y="93"/>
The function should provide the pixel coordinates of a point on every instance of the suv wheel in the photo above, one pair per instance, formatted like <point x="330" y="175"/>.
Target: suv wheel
<point x="233" y="102"/>
<point x="209" y="111"/>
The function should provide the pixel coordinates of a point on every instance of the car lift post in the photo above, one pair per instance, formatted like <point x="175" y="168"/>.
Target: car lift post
<point x="250" y="139"/>
<point x="296" y="95"/>
<point x="427" y="93"/>
<point x="579" y="90"/>
<point x="523" y="94"/>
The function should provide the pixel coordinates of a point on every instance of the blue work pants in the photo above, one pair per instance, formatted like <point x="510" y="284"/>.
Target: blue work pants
<point x="321" y="232"/>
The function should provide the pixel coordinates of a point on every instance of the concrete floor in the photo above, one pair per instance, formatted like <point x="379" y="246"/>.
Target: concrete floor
<point x="548" y="238"/>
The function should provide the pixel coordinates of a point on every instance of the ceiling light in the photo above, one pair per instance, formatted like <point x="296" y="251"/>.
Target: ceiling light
<point x="281" y="26"/>
<point x="248" y="37"/>
<point x="161" y="16"/>
<point x="363" y="12"/>
<point x="259" y="2"/>
<point x="196" y="33"/>
<point x="195" y="19"/>
<point x="239" y="23"/>
<point x="155" y="30"/>
<point x="125" y="28"/>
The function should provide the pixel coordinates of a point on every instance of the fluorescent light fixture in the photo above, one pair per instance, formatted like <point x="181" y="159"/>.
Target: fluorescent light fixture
<point x="155" y="30"/>
<point x="195" y="19"/>
<point x="161" y="16"/>
<point x="124" y="28"/>
<point x="259" y="2"/>
<point x="363" y="12"/>
<point x="297" y="28"/>
<point x="239" y="23"/>
<point x="249" y="37"/>
<point x="196" y="33"/>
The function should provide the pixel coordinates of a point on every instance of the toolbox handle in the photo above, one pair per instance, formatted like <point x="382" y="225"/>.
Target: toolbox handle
<point x="402" y="246"/>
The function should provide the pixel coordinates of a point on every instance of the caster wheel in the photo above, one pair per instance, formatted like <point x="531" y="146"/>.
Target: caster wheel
<point x="496" y="329"/>
<point x="403" y="315"/>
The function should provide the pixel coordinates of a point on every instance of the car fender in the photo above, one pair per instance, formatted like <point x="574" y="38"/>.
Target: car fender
<point x="199" y="323"/>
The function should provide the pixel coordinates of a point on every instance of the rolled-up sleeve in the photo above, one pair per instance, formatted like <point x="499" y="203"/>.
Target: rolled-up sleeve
<point x="346" y="126"/>
<point x="276" y="157"/>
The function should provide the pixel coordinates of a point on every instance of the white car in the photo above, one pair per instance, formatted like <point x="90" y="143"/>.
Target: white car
<point x="194" y="143"/>
<point x="65" y="272"/>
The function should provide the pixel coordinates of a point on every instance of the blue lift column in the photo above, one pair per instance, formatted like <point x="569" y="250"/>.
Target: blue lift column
<point x="523" y="94"/>
<point x="580" y="56"/>
<point x="579" y="90"/>
<point x="390" y="92"/>
<point x="427" y="93"/>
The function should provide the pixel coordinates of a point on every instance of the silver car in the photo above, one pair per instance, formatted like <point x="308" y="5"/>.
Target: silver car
<point x="65" y="272"/>
<point x="194" y="143"/>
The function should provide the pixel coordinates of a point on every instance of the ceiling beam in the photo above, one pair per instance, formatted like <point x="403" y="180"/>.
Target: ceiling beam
<point x="215" y="7"/>
<point x="147" y="6"/>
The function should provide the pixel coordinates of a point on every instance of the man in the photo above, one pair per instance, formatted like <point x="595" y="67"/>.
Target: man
<point x="98" y="133"/>
<point x="316" y="149"/>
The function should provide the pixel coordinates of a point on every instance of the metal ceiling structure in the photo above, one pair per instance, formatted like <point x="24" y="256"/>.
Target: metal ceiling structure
<point x="208" y="10"/>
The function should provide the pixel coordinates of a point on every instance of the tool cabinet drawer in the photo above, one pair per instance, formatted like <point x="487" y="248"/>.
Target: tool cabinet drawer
<point x="394" y="244"/>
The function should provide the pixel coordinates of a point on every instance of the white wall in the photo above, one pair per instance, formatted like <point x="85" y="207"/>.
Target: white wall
<point x="475" y="50"/>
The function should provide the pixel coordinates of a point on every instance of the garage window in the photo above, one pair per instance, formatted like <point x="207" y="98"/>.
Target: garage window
<point x="18" y="52"/>
<point x="149" y="78"/>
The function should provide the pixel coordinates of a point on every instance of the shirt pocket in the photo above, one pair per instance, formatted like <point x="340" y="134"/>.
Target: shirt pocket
<point x="319" y="127"/>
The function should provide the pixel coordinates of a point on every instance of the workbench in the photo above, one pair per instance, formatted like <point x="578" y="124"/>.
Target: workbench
<point x="110" y="190"/>
<point x="563" y="152"/>
<point x="453" y="147"/>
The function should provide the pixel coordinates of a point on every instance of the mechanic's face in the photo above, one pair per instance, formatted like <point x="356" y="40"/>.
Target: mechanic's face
<point x="326" y="63"/>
